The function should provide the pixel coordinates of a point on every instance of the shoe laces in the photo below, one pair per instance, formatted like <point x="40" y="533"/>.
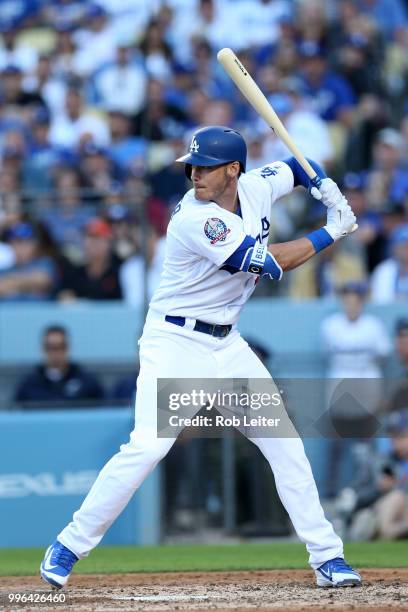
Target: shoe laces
<point x="64" y="557"/>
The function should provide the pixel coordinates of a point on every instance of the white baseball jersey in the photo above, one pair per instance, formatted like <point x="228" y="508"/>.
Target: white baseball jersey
<point x="201" y="236"/>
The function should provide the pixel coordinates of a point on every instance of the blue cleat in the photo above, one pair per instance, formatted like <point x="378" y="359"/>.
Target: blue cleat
<point x="337" y="573"/>
<point x="57" y="565"/>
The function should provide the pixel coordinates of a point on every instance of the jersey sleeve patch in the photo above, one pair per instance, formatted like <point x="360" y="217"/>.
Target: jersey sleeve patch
<point x="216" y="230"/>
<point x="213" y="237"/>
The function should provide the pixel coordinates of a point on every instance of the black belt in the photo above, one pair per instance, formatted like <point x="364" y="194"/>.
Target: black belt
<point x="219" y="331"/>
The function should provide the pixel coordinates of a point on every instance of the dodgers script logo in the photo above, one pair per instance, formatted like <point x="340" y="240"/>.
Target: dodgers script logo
<point x="269" y="171"/>
<point x="194" y="146"/>
<point x="216" y="230"/>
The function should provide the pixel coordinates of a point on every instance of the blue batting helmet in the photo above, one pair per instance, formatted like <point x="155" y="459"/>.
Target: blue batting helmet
<point x="213" y="146"/>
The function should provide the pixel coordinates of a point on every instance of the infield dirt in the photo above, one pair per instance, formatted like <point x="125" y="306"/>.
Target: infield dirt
<point x="277" y="591"/>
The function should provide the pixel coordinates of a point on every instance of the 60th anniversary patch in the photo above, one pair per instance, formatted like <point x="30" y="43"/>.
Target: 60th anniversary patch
<point x="216" y="230"/>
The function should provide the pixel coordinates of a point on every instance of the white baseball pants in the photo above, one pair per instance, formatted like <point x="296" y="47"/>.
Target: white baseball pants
<point x="169" y="351"/>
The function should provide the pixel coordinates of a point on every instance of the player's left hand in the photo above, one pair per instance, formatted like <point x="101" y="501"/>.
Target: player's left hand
<point x="328" y="193"/>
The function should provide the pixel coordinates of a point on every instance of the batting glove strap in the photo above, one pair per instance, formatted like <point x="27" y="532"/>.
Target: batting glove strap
<point x="320" y="239"/>
<point x="261" y="262"/>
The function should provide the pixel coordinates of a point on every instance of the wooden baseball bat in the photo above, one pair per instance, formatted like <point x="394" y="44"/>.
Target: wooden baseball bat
<point x="257" y="99"/>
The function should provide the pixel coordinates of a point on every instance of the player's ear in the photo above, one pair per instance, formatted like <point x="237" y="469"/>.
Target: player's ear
<point x="233" y="169"/>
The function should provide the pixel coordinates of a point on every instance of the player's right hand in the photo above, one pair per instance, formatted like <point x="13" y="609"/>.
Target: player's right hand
<point x="340" y="220"/>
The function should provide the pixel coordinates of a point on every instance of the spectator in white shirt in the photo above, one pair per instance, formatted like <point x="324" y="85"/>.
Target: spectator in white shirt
<point x="259" y="21"/>
<point x="121" y="85"/>
<point x="64" y="52"/>
<point x="307" y="129"/>
<point x="13" y="52"/>
<point x="133" y="273"/>
<point x="353" y="340"/>
<point x="389" y="281"/>
<point x="355" y="343"/>
<point x="255" y="139"/>
<point x="7" y="257"/>
<point x="96" y="43"/>
<point x="129" y="18"/>
<point x="69" y="127"/>
<point x="210" y="20"/>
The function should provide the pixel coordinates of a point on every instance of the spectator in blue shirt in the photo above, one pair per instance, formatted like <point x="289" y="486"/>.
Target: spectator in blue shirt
<point x="58" y="381"/>
<point x="182" y="82"/>
<point x="168" y="184"/>
<point x="388" y="178"/>
<point x="97" y="171"/>
<point x="127" y="151"/>
<point x="68" y="218"/>
<point x="389" y="280"/>
<point x="12" y="12"/>
<point x="330" y="95"/>
<point x="389" y="15"/>
<point x="33" y="275"/>
<point x="39" y="165"/>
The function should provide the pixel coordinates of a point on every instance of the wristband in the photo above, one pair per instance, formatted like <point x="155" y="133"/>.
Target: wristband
<point x="257" y="260"/>
<point x="320" y="239"/>
<point x="261" y="262"/>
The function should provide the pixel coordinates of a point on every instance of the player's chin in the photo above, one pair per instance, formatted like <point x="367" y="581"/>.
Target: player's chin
<point x="200" y="193"/>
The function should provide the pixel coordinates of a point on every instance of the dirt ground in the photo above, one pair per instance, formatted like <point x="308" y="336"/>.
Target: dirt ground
<point x="276" y="591"/>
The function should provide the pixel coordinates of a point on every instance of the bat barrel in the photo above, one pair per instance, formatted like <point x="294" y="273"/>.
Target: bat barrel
<point x="258" y="101"/>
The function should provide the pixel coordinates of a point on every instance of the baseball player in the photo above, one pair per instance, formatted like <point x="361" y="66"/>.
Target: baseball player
<point x="217" y="249"/>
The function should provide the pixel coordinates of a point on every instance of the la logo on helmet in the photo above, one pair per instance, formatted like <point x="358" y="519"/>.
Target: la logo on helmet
<point x="194" y="146"/>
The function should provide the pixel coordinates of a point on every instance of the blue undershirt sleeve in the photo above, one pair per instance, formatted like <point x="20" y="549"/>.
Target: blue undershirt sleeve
<point x="299" y="175"/>
<point x="235" y="260"/>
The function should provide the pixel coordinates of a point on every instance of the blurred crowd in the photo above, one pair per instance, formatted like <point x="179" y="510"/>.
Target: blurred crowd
<point x="98" y="99"/>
